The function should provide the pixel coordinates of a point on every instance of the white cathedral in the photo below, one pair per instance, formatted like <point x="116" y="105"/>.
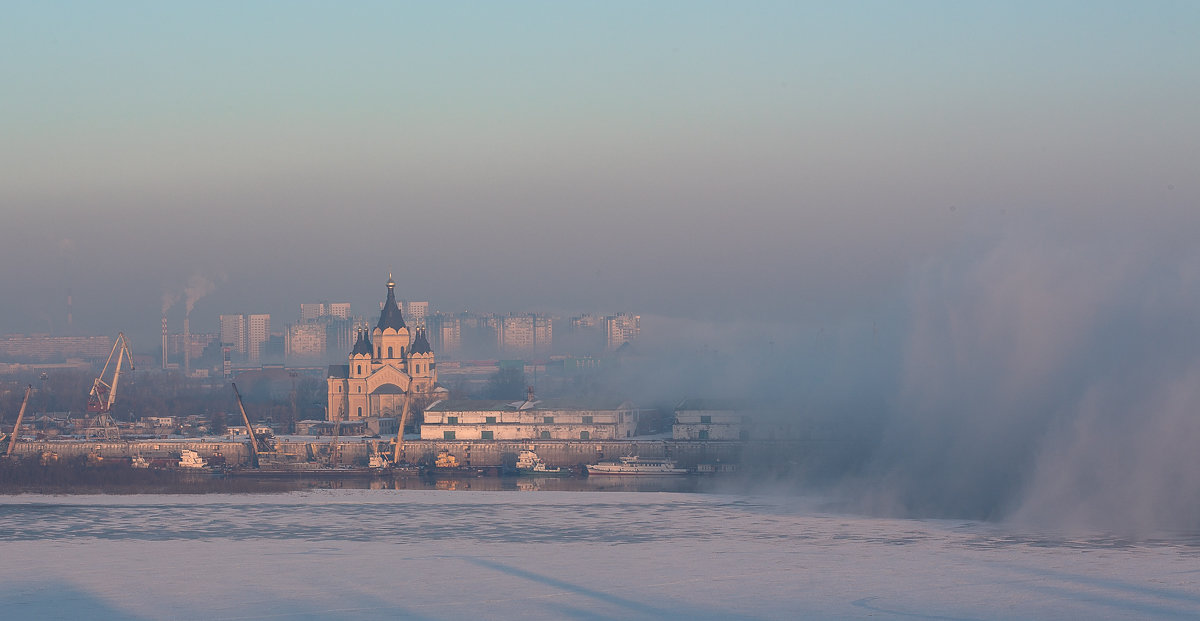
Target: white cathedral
<point x="387" y="364"/>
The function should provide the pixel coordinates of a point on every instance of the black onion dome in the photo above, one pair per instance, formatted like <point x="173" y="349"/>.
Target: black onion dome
<point x="420" y="344"/>
<point x="362" y="345"/>
<point x="390" y="316"/>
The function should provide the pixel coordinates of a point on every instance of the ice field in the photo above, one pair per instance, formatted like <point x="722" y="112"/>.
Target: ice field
<point x="372" y="554"/>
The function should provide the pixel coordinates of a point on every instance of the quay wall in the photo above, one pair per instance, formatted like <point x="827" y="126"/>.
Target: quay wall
<point x="234" y="452"/>
<point x="475" y="453"/>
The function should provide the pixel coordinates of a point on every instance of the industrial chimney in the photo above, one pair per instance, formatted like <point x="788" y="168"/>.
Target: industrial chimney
<point x="164" y="341"/>
<point x="187" y="349"/>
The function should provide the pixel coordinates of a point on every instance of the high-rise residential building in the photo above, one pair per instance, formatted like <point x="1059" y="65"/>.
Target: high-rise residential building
<point x="524" y="333"/>
<point x="585" y="321"/>
<point x="311" y="312"/>
<point x="339" y="310"/>
<point x="233" y="333"/>
<point x="445" y="332"/>
<point x="306" y="340"/>
<point x="246" y="334"/>
<point x="258" y="330"/>
<point x="193" y="343"/>
<point x="324" y="310"/>
<point x="622" y="328"/>
<point x="44" y="346"/>
<point x="416" y="312"/>
<point x="339" y="333"/>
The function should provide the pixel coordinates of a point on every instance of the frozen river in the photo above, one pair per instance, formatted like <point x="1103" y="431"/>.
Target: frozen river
<point x="427" y="554"/>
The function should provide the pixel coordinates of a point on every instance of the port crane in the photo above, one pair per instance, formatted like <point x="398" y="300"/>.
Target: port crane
<point x="400" y="432"/>
<point x="100" y="400"/>
<point x="12" y="440"/>
<point x="258" y="445"/>
<point x="104" y="393"/>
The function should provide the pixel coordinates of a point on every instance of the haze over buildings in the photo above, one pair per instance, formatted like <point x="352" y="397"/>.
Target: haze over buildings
<point x="784" y="162"/>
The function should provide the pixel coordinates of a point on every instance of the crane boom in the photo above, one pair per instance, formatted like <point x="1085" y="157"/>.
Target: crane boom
<point x="12" y="441"/>
<point x="249" y="427"/>
<point x="403" y="420"/>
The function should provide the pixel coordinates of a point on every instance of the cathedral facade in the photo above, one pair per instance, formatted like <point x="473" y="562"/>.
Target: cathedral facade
<point x="387" y="365"/>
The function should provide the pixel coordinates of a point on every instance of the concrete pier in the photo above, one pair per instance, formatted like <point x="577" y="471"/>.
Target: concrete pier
<point x="474" y="453"/>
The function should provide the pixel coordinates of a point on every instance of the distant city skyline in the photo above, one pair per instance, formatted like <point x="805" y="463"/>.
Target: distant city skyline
<point x="775" y="161"/>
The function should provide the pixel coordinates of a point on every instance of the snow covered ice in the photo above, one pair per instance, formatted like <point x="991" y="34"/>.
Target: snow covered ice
<point x="371" y="554"/>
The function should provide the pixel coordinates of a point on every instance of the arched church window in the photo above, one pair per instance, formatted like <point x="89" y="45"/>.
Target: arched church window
<point x="402" y="352"/>
<point x="418" y="368"/>
<point x="360" y="389"/>
<point x="360" y="369"/>
<point x="360" y="411"/>
<point x="389" y="351"/>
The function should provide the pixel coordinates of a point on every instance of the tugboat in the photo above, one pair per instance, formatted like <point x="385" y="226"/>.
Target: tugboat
<point x="636" y="466"/>
<point x="447" y="464"/>
<point x="446" y="461"/>
<point x="528" y="463"/>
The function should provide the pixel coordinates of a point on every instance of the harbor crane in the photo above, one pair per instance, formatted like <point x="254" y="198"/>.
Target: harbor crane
<point x="403" y="421"/>
<point x="104" y="393"/>
<point x="258" y="445"/>
<point x="100" y="400"/>
<point x="12" y="440"/>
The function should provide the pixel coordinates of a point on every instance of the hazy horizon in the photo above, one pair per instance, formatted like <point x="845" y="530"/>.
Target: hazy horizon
<point x="773" y="162"/>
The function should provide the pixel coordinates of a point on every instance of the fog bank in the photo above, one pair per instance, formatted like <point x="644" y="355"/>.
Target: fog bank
<point x="1048" y="375"/>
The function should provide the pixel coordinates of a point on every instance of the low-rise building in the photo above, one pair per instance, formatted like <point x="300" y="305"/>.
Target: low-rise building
<point x="532" y="419"/>
<point x="709" y="419"/>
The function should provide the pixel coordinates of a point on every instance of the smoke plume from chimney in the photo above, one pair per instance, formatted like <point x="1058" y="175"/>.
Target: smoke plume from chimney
<point x="198" y="287"/>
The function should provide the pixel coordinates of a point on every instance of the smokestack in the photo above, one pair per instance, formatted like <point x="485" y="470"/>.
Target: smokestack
<point x="164" y="342"/>
<point x="187" y="349"/>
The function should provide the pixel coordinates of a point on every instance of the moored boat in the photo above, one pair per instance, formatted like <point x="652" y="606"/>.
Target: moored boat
<point x="528" y="462"/>
<point x="378" y="462"/>
<point x="191" y="459"/>
<point x="636" y="466"/>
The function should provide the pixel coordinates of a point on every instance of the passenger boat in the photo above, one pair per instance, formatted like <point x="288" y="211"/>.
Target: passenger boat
<point x="528" y="462"/>
<point x="636" y="466"/>
<point x="191" y="459"/>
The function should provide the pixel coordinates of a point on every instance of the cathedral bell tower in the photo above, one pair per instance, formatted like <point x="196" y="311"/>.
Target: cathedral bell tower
<point x="391" y="337"/>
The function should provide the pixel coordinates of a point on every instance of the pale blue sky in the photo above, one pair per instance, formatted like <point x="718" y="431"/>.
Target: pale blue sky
<point x="764" y="160"/>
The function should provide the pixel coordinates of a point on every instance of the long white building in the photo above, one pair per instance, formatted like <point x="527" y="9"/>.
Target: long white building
<point x="535" y="419"/>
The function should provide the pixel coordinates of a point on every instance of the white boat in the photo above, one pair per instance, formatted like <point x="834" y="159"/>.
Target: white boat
<point x="191" y="459"/>
<point x="378" y="462"/>
<point x="528" y="462"/>
<point x="636" y="466"/>
<point x="137" y="461"/>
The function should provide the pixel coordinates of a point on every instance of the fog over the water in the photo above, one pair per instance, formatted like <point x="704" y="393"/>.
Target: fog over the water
<point x="967" y="230"/>
<point x="1049" y="374"/>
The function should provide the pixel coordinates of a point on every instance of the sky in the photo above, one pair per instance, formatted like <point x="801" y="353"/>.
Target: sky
<point x="716" y="161"/>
